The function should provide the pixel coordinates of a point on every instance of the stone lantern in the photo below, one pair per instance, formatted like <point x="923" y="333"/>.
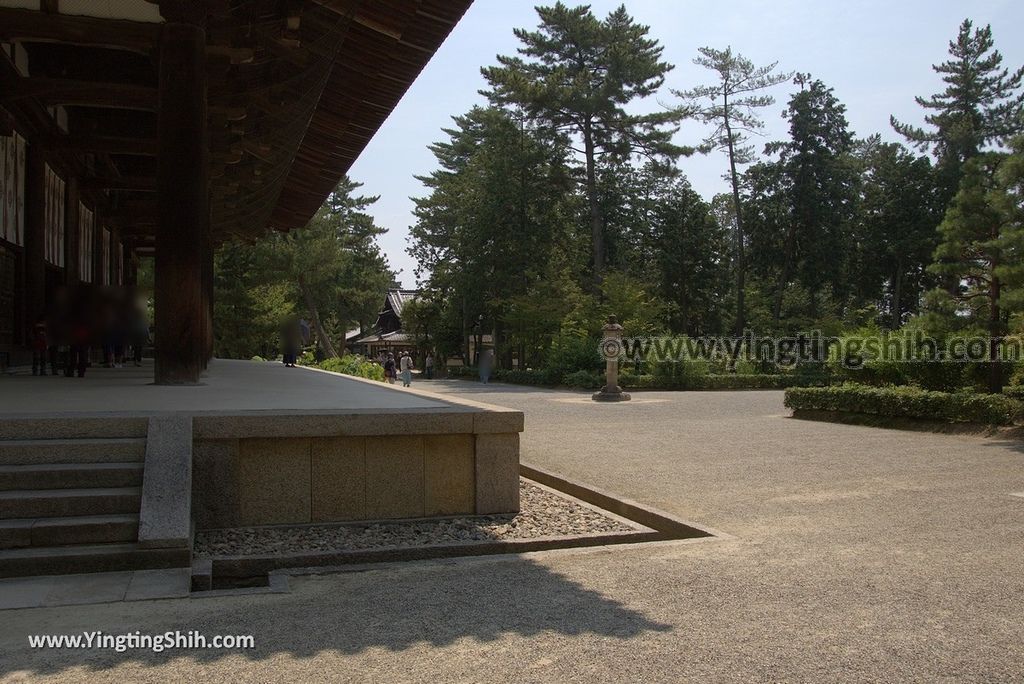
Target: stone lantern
<point x="611" y="348"/>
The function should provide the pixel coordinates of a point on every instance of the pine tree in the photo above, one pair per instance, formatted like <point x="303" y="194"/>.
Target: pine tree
<point x="895" y="234"/>
<point x="819" y="180"/>
<point x="1009" y="200"/>
<point x="982" y="105"/>
<point x="980" y="236"/>
<point x="494" y="215"/>
<point x="735" y="100"/>
<point x="691" y="257"/>
<point x="578" y="74"/>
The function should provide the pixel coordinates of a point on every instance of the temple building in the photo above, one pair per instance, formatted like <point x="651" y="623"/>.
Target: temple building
<point x="133" y="128"/>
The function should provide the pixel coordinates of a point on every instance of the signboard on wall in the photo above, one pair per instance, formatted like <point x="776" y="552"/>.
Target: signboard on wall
<point x="12" y="189"/>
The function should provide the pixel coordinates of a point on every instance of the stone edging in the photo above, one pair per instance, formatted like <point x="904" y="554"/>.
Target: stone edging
<point x="654" y="525"/>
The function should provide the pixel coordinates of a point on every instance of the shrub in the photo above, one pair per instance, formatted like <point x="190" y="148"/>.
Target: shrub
<point x="571" y="353"/>
<point x="744" y="381"/>
<point x="465" y="372"/>
<point x="906" y="402"/>
<point x="258" y="358"/>
<point x="351" y="364"/>
<point x="1014" y="392"/>
<point x="525" y="376"/>
<point x="583" y="380"/>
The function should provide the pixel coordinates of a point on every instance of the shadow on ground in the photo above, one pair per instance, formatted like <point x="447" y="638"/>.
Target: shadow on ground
<point x="395" y="608"/>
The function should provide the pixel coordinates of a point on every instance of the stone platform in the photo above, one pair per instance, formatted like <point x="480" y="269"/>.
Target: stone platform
<point x="261" y="444"/>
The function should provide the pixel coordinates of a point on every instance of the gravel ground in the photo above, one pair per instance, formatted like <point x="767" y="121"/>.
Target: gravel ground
<point x="542" y="514"/>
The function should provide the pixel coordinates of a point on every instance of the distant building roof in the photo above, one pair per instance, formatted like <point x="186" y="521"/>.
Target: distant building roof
<point x="396" y="337"/>
<point x="397" y="299"/>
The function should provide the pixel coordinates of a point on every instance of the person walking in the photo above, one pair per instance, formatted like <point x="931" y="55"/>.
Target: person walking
<point x="486" y="365"/>
<point x="389" y="369"/>
<point x="406" y="370"/>
<point x="428" y="366"/>
<point x="40" y="347"/>
<point x="291" y="344"/>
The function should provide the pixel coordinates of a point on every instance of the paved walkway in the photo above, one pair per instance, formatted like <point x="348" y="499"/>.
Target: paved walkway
<point x="857" y="554"/>
<point x="234" y="385"/>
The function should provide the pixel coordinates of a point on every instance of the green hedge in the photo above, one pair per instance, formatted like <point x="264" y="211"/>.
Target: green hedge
<point x="907" y="402"/>
<point x="1014" y="392"/>
<point x="709" y="382"/>
<point x="351" y="364"/>
<point x="592" y="381"/>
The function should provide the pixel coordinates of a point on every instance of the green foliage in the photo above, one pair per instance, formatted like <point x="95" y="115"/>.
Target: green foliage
<point x="576" y="75"/>
<point x="1014" y="392"/>
<point x="980" y="106"/>
<point x="708" y="382"/>
<point x="907" y="402"/>
<point x="249" y="308"/>
<point x="583" y="380"/>
<point x="331" y="272"/>
<point x="571" y="353"/>
<point x="351" y="364"/>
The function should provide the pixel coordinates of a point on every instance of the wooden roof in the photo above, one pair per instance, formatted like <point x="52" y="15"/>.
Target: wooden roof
<point x="296" y="90"/>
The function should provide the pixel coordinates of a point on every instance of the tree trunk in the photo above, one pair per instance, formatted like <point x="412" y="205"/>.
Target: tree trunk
<point x="897" y="295"/>
<point x="995" y="325"/>
<point x="314" y="313"/>
<point x="741" y="265"/>
<point x="787" y="272"/>
<point x="596" y="219"/>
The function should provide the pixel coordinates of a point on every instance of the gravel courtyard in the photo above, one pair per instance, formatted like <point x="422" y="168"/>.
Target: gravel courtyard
<point x="853" y="554"/>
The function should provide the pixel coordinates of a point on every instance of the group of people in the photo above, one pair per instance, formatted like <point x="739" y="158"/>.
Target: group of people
<point x="76" y="322"/>
<point x="403" y="366"/>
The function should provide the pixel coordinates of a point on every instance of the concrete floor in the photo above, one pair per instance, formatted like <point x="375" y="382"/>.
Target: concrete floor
<point x="100" y="587"/>
<point x="856" y="554"/>
<point x="227" y="385"/>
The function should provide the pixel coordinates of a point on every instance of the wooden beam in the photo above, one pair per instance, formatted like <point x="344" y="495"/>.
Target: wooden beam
<point x="132" y="183"/>
<point x="32" y="26"/>
<point x="143" y="147"/>
<point x="59" y="91"/>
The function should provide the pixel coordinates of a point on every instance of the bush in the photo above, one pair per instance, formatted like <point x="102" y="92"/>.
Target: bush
<point x="1014" y="392"/>
<point x="258" y="358"/>
<point x="526" y="376"/>
<point x="351" y="364"/>
<point x="570" y="353"/>
<point x="708" y="382"/>
<point x="583" y="380"/>
<point x="463" y="372"/>
<point x="907" y="402"/>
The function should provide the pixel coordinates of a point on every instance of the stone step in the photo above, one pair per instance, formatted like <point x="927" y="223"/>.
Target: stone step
<point x="70" y="475"/>
<point x="82" y="529"/>
<point x="73" y="427"/>
<point x="98" y="450"/>
<point x="67" y="560"/>
<point x="62" y="503"/>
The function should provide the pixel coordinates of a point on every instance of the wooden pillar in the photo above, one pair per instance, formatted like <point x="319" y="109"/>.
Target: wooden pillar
<point x="207" y="301"/>
<point x="35" y="236"/>
<point x="183" y="196"/>
<point x="71" y="233"/>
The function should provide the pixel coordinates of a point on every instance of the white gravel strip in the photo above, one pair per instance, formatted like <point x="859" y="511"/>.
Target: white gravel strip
<point x="542" y="514"/>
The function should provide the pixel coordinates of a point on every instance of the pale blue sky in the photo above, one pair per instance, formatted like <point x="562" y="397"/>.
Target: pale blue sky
<point x="877" y="54"/>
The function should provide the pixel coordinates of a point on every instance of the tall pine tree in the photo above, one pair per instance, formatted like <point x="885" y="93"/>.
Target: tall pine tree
<point x="982" y="105"/>
<point x="579" y="74"/>
<point x="734" y="101"/>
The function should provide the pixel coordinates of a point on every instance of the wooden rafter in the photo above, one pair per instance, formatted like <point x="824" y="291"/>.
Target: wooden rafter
<point x="59" y="91"/>
<point x="29" y="25"/>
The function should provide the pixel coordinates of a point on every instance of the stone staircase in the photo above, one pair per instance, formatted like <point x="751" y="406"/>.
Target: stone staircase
<point x="70" y="492"/>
